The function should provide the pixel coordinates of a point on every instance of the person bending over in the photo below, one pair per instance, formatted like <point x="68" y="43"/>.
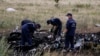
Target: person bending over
<point x="27" y="30"/>
<point x="56" y="26"/>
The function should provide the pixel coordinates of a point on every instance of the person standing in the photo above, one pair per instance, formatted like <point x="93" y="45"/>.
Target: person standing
<point x="70" y="32"/>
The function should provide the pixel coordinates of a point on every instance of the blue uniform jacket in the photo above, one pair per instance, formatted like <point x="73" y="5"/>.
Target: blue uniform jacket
<point x="26" y="21"/>
<point x="71" y="27"/>
<point x="28" y="28"/>
<point x="56" y="22"/>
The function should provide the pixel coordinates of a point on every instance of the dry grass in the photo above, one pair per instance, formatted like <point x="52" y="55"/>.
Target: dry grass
<point x="3" y="47"/>
<point x="86" y="12"/>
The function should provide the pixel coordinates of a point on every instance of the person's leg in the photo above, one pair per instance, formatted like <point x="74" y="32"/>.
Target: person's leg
<point x="29" y="39"/>
<point x="55" y="33"/>
<point x="59" y="31"/>
<point x="22" y="39"/>
<point x="67" y="42"/>
<point x="72" y="42"/>
<point x="58" y="34"/>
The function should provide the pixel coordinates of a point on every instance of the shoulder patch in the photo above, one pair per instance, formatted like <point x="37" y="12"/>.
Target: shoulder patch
<point x="73" y="25"/>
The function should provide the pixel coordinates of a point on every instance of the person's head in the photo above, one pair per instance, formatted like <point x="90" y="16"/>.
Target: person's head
<point x="69" y="15"/>
<point x="33" y="22"/>
<point x="48" y="21"/>
<point x="38" y="26"/>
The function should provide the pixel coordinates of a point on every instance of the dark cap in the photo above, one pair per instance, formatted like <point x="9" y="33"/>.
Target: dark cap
<point x="69" y="14"/>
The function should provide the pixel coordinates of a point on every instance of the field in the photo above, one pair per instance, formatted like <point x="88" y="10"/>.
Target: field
<point x="85" y="12"/>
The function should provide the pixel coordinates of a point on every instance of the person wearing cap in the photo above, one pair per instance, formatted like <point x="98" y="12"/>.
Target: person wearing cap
<point x="70" y="32"/>
<point x="56" y="26"/>
<point x="27" y="30"/>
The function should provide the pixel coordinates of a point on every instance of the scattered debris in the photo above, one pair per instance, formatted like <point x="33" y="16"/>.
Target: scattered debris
<point x="50" y="36"/>
<point x="97" y="25"/>
<point x="16" y="29"/>
<point x="79" y="43"/>
<point x="10" y="10"/>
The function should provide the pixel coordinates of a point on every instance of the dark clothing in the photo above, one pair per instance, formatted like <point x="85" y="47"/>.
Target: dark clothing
<point x="27" y="31"/>
<point x="69" y="42"/>
<point x="25" y="22"/>
<point x="58" y="31"/>
<point x="29" y="27"/>
<point x="57" y="22"/>
<point x="26" y="38"/>
<point x="71" y="27"/>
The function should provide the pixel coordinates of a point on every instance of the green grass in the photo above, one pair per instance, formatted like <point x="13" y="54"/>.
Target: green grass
<point x="3" y="47"/>
<point x="86" y="13"/>
<point x="40" y="11"/>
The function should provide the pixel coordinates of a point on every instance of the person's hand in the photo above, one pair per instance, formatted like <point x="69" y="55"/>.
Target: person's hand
<point x="65" y="31"/>
<point x="53" y="29"/>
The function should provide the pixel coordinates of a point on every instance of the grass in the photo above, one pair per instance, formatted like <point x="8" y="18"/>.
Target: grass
<point x="82" y="5"/>
<point x="3" y="47"/>
<point x="85" y="12"/>
<point x="40" y="11"/>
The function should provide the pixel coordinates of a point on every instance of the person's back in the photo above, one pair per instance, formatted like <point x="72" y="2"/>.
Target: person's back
<point x="56" y="22"/>
<point x="71" y="27"/>
<point x="27" y="30"/>
<point x="29" y="27"/>
<point x="25" y="21"/>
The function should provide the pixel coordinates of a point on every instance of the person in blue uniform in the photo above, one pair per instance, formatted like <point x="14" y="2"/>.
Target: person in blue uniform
<point x="56" y="26"/>
<point x="70" y="32"/>
<point x="25" y="21"/>
<point x="28" y="28"/>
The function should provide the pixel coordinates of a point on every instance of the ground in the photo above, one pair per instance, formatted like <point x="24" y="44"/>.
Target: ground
<point x="85" y="12"/>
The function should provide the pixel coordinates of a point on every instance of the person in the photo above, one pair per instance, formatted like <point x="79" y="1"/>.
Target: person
<point x="56" y="26"/>
<point x="25" y="21"/>
<point x="70" y="32"/>
<point x="28" y="29"/>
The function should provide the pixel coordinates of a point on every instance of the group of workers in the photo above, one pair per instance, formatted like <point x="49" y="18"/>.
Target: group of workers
<point x="28" y="27"/>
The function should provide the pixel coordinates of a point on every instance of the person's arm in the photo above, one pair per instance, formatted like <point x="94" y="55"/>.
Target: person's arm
<point x="52" y="29"/>
<point x="65" y="30"/>
<point x="67" y="27"/>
